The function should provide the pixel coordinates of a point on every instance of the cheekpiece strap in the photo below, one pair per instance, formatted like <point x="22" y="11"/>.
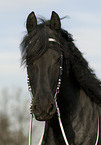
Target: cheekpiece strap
<point x="60" y="70"/>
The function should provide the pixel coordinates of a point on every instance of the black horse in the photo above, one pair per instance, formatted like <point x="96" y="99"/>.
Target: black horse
<point x="79" y="97"/>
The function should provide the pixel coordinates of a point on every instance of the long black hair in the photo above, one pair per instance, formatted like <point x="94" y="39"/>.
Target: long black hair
<point x="35" y="43"/>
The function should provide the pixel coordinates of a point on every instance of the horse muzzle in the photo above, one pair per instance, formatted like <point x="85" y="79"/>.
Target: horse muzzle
<point x="43" y="112"/>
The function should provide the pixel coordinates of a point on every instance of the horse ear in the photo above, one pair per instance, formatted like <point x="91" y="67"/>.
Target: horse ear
<point x="31" y="22"/>
<point x="55" y="21"/>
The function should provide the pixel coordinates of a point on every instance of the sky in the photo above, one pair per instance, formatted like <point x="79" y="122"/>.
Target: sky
<point x="83" y="22"/>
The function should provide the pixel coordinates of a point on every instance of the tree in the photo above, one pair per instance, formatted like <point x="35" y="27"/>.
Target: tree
<point x="12" y="119"/>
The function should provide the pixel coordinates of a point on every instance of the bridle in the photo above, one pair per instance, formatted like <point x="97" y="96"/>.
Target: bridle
<point x="57" y="92"/>
<point x="57" y="108"/>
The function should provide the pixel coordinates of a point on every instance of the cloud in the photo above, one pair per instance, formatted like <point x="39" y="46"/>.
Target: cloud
<point x="96" y="66"/>
<point x="15" y="5"/>
<point x="89" y="43"/>
<point x="88" y="40"/>
<point x="11" y="74"/>
<point x="87" y="18"/>
<point x="86" y="31"/>
<point x="9" y="62"/>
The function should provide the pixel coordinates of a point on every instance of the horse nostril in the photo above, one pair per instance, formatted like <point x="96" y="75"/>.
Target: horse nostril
<point x="51" y="109"/>
<point x="36" y="109"/>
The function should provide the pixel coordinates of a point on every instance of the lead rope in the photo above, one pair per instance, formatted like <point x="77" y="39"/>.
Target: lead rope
<point x="55" y="98"/>
<point x="30" y="130"/>
<point x="31" y="116"/>
<point x="98" y="131"/>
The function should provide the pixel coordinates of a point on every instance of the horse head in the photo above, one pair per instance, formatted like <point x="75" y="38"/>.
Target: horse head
<point x="43" y="70"/>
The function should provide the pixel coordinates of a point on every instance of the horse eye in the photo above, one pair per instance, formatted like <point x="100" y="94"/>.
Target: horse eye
<point x="58" y="60"/>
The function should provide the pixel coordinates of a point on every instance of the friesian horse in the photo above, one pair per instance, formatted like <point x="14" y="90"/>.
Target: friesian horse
<point x="45" y="49"/>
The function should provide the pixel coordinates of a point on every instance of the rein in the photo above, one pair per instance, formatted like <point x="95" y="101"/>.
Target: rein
<point x="57" y="108"/>
<point x="55" y="98"/>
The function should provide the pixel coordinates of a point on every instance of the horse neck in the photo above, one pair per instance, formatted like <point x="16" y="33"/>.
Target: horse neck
<point x="70" y="100"/>
<point x="67" y="99"/>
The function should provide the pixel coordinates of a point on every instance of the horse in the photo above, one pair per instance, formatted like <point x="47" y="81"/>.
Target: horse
<point x="58" y="73"/>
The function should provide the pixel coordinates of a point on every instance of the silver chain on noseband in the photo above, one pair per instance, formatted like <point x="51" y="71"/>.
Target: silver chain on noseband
<point x="57" y="108"/>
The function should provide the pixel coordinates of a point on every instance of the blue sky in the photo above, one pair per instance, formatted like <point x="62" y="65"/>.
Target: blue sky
<point x="84" y="24"/>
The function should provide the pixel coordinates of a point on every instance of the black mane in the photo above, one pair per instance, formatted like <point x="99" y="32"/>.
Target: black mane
<point x="38" y="39"/>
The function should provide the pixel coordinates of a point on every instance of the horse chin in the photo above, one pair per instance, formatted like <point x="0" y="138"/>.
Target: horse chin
<point x="43" y="118"/>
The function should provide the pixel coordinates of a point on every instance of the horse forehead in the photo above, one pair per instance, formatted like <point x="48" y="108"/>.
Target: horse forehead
<point x="49" y="56"/>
